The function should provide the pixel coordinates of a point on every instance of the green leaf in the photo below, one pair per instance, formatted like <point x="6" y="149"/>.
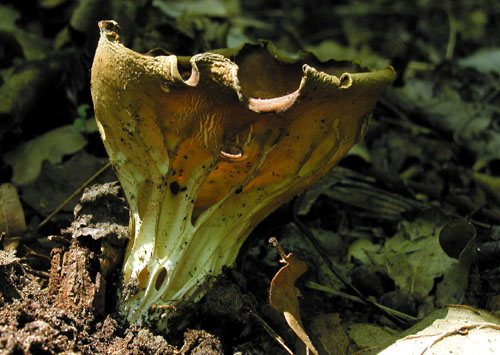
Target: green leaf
<point x="26" y="160"/>
<point x="484" y="61"/>
<point x="211" y="8"/>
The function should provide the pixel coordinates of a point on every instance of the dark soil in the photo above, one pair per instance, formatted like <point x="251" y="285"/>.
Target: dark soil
<point x="431" y="153"/>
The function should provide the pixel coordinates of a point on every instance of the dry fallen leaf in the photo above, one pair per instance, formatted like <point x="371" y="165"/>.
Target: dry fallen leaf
<point x="455" y="329"/>
<point x="12" y="219"/>
<point x="283" y="296"/>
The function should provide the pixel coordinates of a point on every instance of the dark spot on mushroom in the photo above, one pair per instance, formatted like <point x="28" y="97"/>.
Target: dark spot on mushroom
<point x="160" y="278"/>
<point x="143" y="276"/>
<point x="185" y="156"/>
<point x="174" y="188"/>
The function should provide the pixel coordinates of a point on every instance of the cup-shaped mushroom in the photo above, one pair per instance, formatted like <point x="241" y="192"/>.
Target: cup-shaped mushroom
<point x="207" y="146"/>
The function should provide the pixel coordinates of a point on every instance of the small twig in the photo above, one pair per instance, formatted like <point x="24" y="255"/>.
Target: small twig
<point x="27" y="268"/>
<point x="272" y="333"/>
<point x="452" y="37"/>
<point x="274" y="242"/>
<point x="32" y="252"/>
<point x="68" y="200"/>
<point x="59" y="240"/>
<point x="316" y="286"/>
<point x="465" y="306"/>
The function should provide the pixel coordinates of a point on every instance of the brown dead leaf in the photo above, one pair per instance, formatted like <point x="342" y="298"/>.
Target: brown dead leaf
<point x="283" y="295"/>
<point x="12" y="220"/>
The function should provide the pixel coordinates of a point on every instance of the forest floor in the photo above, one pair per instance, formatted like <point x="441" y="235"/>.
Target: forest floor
<point x="407" y="224"/>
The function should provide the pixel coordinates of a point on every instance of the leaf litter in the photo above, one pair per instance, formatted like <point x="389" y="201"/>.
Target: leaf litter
<point x="433" y="146"/>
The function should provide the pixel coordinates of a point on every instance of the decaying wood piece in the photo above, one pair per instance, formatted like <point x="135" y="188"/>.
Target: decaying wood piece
<point x="72" y="284"/>
<point x="98" y="235"/>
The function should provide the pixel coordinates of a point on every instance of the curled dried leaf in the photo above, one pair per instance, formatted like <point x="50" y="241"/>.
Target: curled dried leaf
<point x="283" y="296"/>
